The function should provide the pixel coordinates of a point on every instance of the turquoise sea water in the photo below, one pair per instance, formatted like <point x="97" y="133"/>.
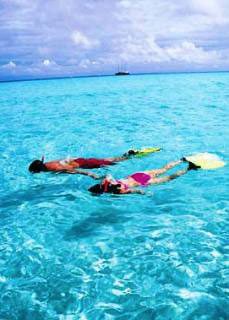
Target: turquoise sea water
<point x="65" y="254"/>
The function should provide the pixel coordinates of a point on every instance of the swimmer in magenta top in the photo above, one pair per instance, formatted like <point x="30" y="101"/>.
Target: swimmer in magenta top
<point x="140" y="179"/>
<point x="73" y="164"/>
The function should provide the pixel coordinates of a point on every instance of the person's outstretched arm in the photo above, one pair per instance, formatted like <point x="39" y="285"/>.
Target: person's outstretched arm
<point x="85" y="173"/>
<point x="138" y="191"/>
<point x="170" y="177"/>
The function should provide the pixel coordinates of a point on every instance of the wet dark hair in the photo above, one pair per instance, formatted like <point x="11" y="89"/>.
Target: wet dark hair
<point x="37" y="166"/>
<point x="99" y="189"/>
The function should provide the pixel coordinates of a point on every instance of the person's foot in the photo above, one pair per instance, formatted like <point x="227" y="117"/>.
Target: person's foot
<point x="192" y="166"/>
<point x="132" y="152"/>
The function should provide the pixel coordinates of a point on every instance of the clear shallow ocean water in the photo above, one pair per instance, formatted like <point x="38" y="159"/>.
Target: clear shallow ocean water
<point x="65" y="254"/>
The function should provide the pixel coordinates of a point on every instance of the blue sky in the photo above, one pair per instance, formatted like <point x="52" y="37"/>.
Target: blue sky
<point x="46" y="38"/>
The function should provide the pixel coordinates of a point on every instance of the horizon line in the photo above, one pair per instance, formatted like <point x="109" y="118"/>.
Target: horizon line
<point x="111" y="75"/>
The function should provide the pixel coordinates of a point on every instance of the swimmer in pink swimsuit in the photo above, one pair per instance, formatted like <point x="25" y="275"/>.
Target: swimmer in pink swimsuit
<point x="140" y="179"/>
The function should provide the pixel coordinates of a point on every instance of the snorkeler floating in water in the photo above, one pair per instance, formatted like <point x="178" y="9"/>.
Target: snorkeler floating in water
<point x="139" y="179"/>
<point x="71" y="165"/>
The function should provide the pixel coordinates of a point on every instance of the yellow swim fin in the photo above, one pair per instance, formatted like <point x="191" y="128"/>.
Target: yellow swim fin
<point x="146" y="151"/>
<point x="206" y="161"/>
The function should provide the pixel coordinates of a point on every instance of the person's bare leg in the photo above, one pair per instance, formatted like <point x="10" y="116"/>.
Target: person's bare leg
<point x="168" y="178"/>
<point x="127" y="155"/>
<point x="168" y="166"/>
<point x="118" y="159"/>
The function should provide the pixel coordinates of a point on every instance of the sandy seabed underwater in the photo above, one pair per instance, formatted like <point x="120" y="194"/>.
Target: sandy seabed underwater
<point x="65" y="254"/>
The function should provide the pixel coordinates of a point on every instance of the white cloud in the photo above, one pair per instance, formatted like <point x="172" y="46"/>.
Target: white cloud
<point x="146" y="50"/>
<point x="125" y="3"/>
<point x="84" y="64"/>
<point x="209" y="7"/>
<point x="209" y="13"/>
<point x="9" y="65"/>
<point x="137" y="49"/>
<point x="143" y="34"/>
<point x="170" y="32"/>
<point x="188" y="52"/>
<point x="83" y="41"/>
<point x="48" y="62"/>
<point x="88" y="64"/>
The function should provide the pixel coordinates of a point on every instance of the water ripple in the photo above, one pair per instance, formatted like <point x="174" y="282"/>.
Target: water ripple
<point x="65" y="254"/>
